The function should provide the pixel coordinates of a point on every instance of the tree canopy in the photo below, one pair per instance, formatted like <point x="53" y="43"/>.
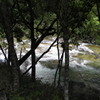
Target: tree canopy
<point x="74" y="20"/>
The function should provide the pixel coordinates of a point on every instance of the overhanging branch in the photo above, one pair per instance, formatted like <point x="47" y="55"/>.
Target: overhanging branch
<point x="46" y="33"/>
<point x="40" y="56"/>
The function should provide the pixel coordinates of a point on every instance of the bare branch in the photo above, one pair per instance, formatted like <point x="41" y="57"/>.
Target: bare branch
<point x="98" y="10"/>
<point x="46" y="51"/>
<point x="4" y="54"/>
<point x="46" y="33"/>
<point x="25" y="21"/>
<point x="40" y="56"/>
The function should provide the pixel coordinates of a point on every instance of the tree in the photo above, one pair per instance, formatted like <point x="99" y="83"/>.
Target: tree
<point x="17" y="14"/>
<point x="31" y="12"/>
<point x="64" y="24"/>
<point x="28" y="21"/>
<point x="70" y="21"/>
<point x="89" y="31"/>
<point x="7" y="27"/>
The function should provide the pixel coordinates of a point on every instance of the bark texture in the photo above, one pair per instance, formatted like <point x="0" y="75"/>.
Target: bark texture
<point x="64" y="24"/>
<point x="33" y="75"/>
<point x="7" y="25"/>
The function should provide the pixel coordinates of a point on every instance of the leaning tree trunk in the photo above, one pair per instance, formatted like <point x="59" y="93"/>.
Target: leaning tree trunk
<point x="6" y="15"/>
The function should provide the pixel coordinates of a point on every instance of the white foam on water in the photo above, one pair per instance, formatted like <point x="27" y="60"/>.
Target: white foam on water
<point x="2" y="57"/>
<point x="84" y="64"/>
<point x="82" y="47"/>
<point x="52" y="54"/>
<point x="45" y="74"/>
<point x="73" y="63"/>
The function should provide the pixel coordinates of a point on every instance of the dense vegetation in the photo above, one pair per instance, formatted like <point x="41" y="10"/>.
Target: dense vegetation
<point x="76" y="21"/>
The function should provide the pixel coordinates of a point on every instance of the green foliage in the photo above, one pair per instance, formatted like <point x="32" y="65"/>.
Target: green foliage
<point x="2" y="34"/>
<point x="56" y="95"/>
<point x="78" y="10"/>
<point x="56" y="98"/>
<point x="31" y="91"/>
<point x="82" y="23"/>
<point x="33" y="95"/>
<point x="89" y="31"/>
<point x="17" y="98"/>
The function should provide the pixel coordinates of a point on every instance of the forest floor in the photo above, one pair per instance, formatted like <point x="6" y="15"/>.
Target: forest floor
<point x="79" y="91"/>
<point x="28" y="90"/>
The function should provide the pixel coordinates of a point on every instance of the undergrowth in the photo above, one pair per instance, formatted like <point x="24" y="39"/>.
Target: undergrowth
<point x="28" y="90"/>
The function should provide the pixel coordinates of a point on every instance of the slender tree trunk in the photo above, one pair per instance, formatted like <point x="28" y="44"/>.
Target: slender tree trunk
<point x="9" y="35"/>
<point x="33" y="42"/>
<point x="66" y="84"/>
<point x="64" y="24"/>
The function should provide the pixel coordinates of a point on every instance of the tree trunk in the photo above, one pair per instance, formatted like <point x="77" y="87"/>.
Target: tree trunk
<point x="6" y="15"/>
<point x="66" y="84"/>
<point x="33" y="42"/>
<point x="64" y="24"/>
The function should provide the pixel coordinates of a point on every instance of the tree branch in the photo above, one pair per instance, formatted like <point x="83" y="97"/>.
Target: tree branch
<point x="47" y="33"/>
<point x="3" y="53"/>
<point x="40" y="56"/>
<point x="26" y="22"/>
<point x="46" y="51"/>
<point x="98" y="11"/>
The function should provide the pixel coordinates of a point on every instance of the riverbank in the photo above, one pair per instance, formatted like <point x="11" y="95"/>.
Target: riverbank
<point x="84" y="65"/>
<point x="79" y="91"/>
<point x="28" y="90"/>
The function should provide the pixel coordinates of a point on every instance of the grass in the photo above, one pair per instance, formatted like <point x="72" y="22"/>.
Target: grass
<point x="38" y="91"/>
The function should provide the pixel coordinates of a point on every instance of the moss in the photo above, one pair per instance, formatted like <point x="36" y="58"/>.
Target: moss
<point x="94" y="48"/>
<point x="95" y="64"/>
<point x="86" y="57"/>
<point x="52" y="64"/>
<point x="71" y="46"/>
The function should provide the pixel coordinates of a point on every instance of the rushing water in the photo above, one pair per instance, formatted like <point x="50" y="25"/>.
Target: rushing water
<point x="46" y="67"/>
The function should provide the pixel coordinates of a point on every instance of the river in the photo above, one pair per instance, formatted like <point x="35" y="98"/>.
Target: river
<point x="82" y="61"/>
